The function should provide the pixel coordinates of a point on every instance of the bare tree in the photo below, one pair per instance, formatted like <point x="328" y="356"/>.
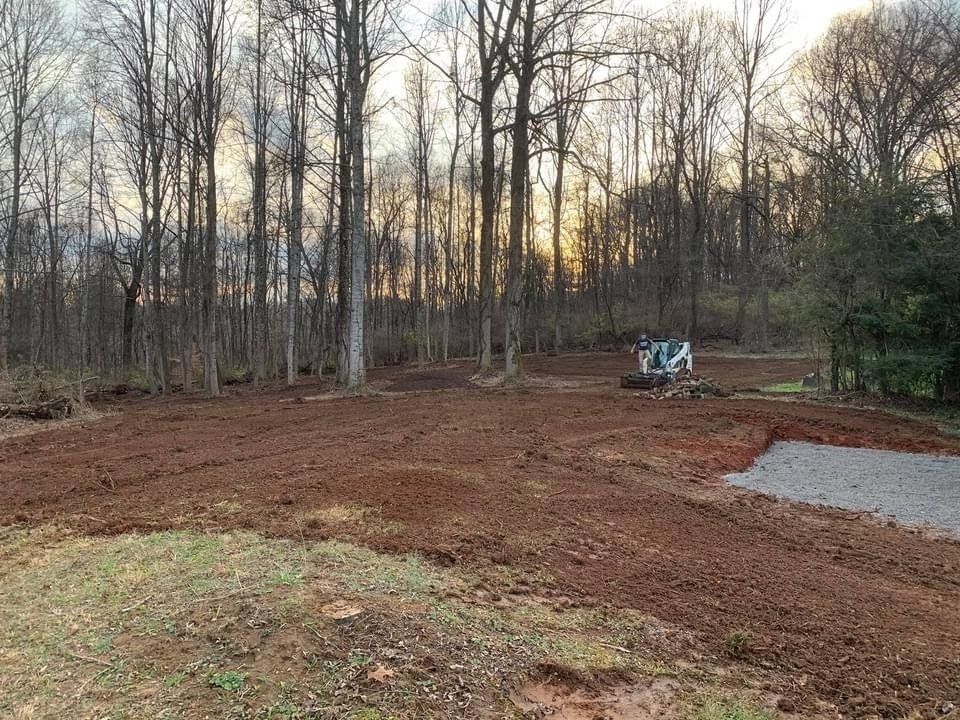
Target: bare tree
<point x="297" y="55"/>
<point x="209" y="39"/>
<point x="32" y="40"/>
<point x="756" y="32"/>
<point x="139" y="36"/>
<point x="567" y="82"/>
<point x="494" y="31"/>
<point x="422" y="109"/>
<point x="262" y="115"/>
<point x="54" y="136"/>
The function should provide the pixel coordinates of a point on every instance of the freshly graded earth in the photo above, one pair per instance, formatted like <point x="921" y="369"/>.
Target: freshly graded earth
<point x="608" y="498"/>
<point x="914" y="488"/>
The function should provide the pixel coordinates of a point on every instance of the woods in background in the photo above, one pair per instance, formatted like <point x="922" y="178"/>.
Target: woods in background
<point x="195" y="190"/>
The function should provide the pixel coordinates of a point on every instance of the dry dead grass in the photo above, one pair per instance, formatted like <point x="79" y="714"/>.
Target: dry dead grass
<point x="351" y="516"/>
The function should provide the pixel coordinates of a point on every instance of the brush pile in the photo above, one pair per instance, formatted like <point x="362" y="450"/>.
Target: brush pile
<point x="34" y="393"/>
<point x="691" y="387"/>
<point x="56" y="409"/>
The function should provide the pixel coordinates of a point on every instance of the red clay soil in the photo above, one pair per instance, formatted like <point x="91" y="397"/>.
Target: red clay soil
<point x="617" y="498"/>
<point x="735" y="373"/>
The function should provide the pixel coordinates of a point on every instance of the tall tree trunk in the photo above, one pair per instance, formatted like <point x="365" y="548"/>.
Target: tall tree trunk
<point x="156" y="247"/>
<point x="764" y="261"/>
<point x="487" y="219"/>
<point x="448" y="240"/>
<point x="85" y="359"/>
<point x="259" y="208"/>
<point x="519" y="168"/>
<point x="745" y="274"/>
<point x="293" y="272"/>
<point x="298" y="137"/>
<point x="342" y="328"/>
<point x="559" y="285"/>
<point x="358" y="259"/>
<point x="474" y="324"/>
<point x="210" y="294"/>
<point x="419" y="230"/>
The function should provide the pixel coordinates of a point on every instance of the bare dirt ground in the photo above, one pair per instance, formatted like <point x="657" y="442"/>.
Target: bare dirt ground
<point x="596" y="495"/>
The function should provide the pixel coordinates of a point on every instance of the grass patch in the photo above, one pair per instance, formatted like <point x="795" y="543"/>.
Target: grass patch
<point x="728" y="709"/>
<point x="787" y="387"/>
<point x="945" y="417"/>
<point x="235" y="625"/>
<point x="363" y="570"/>
<point x="366" y="714"/>
<point x="175" y="680"/>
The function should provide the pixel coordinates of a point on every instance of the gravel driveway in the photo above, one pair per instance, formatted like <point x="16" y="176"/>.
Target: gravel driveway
<point x="913" y="488"/>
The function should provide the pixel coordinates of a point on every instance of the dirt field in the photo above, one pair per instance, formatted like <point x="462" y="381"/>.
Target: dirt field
<point x="594" y="495"/>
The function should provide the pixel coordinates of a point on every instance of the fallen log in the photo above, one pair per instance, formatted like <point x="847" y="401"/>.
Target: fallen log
<point x="56" y="409"/>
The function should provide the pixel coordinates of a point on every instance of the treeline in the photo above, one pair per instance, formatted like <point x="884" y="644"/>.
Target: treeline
<point x="193" y="189"/>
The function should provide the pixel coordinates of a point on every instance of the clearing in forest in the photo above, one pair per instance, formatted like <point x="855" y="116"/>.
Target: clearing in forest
<point x="437" y="549"/>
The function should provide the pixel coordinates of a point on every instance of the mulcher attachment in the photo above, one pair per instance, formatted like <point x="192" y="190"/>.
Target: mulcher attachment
<point x="644" y="381"/>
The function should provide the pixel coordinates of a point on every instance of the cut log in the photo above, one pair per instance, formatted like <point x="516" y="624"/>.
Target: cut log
<point x="56" y="409"/>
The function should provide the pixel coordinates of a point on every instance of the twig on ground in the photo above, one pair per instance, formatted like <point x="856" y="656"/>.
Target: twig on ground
<point x="89" y="658"/>
<point x="136" y="604"/>
<point x="618" y="648"/>
<point x="90" y="680"/>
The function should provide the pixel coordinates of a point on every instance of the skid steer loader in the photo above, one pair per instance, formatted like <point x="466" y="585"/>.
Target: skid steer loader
<point x="671" y="359"/>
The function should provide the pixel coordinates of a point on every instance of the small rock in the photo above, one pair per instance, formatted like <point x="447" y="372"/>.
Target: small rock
<point x="947" y="708"/>
<point x="341" y="612"/>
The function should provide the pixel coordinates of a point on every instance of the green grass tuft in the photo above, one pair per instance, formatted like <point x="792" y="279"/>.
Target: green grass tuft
<point x="786" y="387"/>
<point x="230" y="680"/>
<point x="737" y="644"/>
<point x="729" y="709"/>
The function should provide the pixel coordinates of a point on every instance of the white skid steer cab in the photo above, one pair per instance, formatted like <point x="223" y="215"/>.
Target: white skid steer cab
<point x="670" y="361"/>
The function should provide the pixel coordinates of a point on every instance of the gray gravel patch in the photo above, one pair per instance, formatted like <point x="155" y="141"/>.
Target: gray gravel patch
<point x="913" y="488"/>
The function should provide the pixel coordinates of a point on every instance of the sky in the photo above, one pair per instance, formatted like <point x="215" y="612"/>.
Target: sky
<point x="809" y="18"/>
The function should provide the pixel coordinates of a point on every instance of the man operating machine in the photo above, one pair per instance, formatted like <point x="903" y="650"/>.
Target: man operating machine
<point x="643" y="347"/>
<point x="661" y="360"/>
